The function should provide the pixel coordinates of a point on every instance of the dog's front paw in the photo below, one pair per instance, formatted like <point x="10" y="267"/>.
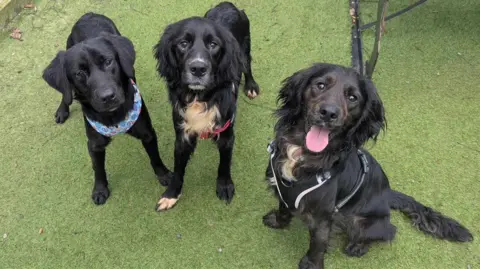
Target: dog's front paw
<point x="305" y="263"/>
<point x="225" y="189"/>
<point x="61" y="116"/>
<point x="356" y="249"/>
<point x="252" y="90"/>
<point x="273" y="220"/>
<point x="166" y="202"/>
<point x="165" y="179"/>
<point x="100" y="195"/>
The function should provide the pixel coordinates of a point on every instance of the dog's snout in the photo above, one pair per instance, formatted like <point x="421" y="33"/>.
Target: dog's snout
<point x="107" y="96"/>
<point x="329" y="112"/>
<point x="198" y="68"/>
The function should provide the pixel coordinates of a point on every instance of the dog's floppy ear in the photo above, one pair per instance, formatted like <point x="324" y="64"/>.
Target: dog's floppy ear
<point x="55" y="75"/>
<point x="167" y="65"/>
<point x="290" y="97"/>
<point x="233" y="60"/>
<point x="125" y="53"/>
<point x="373" y="119"/>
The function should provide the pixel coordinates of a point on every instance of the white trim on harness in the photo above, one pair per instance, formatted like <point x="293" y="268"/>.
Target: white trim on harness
<point x="272" y="154"/>
<point x="320" y="179"/>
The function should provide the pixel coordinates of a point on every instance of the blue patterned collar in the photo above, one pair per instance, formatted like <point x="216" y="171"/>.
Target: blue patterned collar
<point x="124" y="125"/>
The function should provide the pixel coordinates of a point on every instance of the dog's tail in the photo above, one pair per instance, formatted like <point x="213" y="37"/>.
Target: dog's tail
<point x="428" y="220"/>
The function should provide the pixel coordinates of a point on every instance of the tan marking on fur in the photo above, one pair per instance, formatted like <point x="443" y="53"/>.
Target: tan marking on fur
<point x="166" y="203"/>
<point x="357" y="219"/>
<point x="198" y="118"/>
<point x="294" y="154"/>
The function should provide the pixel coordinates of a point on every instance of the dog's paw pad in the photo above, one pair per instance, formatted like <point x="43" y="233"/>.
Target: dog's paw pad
<point x="166" y="204"/>
<point x="226" y="192"/>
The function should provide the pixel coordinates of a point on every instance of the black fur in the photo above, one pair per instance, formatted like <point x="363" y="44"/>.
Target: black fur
<point x="220" y="43"/>
<point x="366" y="217"/>
<point x="96" y="70"/>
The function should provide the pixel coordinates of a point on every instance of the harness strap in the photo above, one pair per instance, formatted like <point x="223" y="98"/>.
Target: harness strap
<point x="321" y="178"/>
<point x="366" y="169"/>
<point x="271" y="150"/>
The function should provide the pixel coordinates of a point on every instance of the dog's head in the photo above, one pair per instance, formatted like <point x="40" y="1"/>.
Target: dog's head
<point x="330" y="106"/>
<point x="94" y="71"/>
<point x="199" y="54"/>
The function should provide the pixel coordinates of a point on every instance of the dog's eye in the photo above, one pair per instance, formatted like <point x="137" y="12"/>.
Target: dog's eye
<point x="183" y="44"/>
<point x="80" y="75"/>
<point x="352" y="98"/>
<point x="108" y="62"/>
<point x="212" y="45"/>
<point x="321" y="85"/>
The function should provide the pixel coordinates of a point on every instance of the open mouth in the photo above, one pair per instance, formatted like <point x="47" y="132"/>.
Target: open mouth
<point x="196" y="87"/>
<point x="317" y="138"/>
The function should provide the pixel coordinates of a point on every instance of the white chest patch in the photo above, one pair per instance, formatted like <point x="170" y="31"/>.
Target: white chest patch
<point x="198" y="118"/>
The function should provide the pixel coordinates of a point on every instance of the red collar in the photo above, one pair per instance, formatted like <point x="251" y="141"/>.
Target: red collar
<point x="216" y="132"/>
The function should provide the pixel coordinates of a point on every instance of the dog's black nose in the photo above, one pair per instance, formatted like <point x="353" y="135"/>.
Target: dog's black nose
<point x="329" y="112"/>
<point x="198" y="68"/>
<point x="107" y="96"/>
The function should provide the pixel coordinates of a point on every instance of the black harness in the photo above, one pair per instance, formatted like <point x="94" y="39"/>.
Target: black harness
<point x="292" y="192"/>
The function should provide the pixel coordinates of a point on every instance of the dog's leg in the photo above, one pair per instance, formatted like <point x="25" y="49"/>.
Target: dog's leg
<point x="96" y="149"/>
<point x="251" y="87"/>
<point x="151" y="147"/>
<point x="278" y="219"/>
<point x="183" y="151"/>
<point x="144" y="131"/>
<point x="225" y="186"/>
<point x="62" y="113"/>
<point x="363" y="231"/>
<point x="319" y="229"/>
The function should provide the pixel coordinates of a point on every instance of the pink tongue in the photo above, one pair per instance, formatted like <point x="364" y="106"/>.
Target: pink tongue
<point x="317" y="139"/>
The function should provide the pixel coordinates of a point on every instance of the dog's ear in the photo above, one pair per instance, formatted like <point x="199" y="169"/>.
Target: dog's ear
<point x="125" y="53"/>
<point x="233" y="60"/>
<point x="55" y="75"/>
<point x="167" y="64"/>
<point x="290" y="97"/>
<point x="373" y="119"/>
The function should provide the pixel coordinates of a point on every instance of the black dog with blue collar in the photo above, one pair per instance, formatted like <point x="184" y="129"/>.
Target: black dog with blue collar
<point x="97" y="69"/>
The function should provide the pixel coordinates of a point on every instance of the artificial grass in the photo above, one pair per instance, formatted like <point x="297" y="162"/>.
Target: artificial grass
<point x="427" y="76"/>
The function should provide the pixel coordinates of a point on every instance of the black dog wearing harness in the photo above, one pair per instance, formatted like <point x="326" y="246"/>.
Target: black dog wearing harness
<point x="320" y="173"/>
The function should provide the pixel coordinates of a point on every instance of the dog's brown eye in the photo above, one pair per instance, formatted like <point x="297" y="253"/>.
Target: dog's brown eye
<point x="321" y="85"/>
<point x="108" y="62"/>
<point x="183" y="44"/>
<point x="352" y="98"/>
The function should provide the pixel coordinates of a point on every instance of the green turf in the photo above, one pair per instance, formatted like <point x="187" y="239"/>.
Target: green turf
<point x="428" y="77"/>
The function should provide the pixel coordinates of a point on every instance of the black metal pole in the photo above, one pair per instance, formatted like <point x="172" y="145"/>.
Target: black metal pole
<point x="357" y="57"/>
<point x="370" y="64"/>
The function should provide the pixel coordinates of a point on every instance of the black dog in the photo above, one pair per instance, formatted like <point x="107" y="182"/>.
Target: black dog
<point x="98" y="70"/>
<point x="202" y="60"/>
<point x="321" y="173"/>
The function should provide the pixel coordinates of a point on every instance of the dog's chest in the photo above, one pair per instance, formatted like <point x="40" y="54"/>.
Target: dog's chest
<point x="199" y="118"/>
